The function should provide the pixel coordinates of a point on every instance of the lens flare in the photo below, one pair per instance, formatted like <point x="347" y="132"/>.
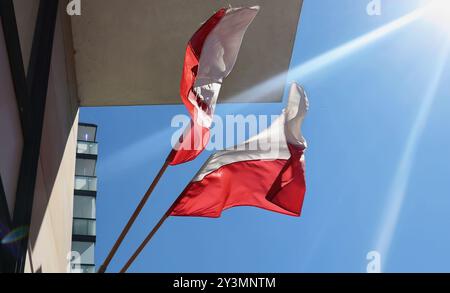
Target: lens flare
<point x="328" y="58"/>
<point x="437" y="13"/>
<point x="15" y="235"/>
<point x="399" y="187"/>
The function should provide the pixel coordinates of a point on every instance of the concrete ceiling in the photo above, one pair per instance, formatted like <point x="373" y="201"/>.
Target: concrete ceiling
<point x="131" y="52"/>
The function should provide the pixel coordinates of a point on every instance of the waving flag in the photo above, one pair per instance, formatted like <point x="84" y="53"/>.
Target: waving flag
<point x="267" y="171"/>
<point x="210" y="56"/>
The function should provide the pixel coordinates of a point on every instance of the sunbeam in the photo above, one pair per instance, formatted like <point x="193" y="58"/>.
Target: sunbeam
<point x="399" y="186"/>
<point x="303" y="70"/>
<point x="127" y="157"/>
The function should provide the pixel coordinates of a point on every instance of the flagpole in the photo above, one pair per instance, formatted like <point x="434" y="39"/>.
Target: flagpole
<point x="151" y="234"/>
<point x="135" y="214"/>
<point x="157" y="226"/>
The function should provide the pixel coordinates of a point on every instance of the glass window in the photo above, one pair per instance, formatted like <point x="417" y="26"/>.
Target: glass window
<point x="86" y="252"/>
<point x="85" y="227"/>
<point x="90" y="148"/>
<point x="85" y="183"/>
<point x="85" y="167"/>
<point x="84" y="207"/>
<point x="86" y="133"/>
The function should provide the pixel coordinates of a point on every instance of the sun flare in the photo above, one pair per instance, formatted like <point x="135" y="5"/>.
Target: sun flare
<point x="438" y="14"/>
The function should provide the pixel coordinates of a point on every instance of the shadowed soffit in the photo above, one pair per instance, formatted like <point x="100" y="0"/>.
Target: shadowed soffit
<point x="131" y="52"/>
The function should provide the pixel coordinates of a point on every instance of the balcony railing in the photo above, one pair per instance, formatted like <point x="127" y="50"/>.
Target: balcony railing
<point x="85" y="227"/>
<point x="85" y="183"/>
<point x="87" y="269"/>
<point x="87" y="147"/>
<point x="82" y="268"/>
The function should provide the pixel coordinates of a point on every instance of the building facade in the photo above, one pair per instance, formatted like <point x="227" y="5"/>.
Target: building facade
<point x="52" y="63"/>
<point x="84" y="200"/>
<point x="38" y="125"/>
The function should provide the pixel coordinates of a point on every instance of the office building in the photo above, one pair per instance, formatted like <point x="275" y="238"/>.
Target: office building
<point x="84" y="201"/>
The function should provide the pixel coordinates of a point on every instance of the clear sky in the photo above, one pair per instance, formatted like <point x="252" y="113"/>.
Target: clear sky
<point x="378" y="163"/>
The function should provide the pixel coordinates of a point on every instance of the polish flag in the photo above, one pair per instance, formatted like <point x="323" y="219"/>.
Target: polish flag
<point x="210" y="56"/>
<point x="267" y="171"/>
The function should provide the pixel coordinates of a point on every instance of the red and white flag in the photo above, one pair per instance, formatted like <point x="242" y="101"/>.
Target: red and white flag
<point x="210" y="56"/>
<point x="267" y="171"/>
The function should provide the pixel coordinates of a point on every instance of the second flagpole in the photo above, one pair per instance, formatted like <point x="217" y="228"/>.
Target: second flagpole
<point x="135" y="214"/>
<point x="153" y="231"/>
<point x="150" y="235"/>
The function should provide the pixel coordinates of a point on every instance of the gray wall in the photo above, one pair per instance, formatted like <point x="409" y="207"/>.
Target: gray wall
<point x="51" y="225"/>
<point x="10" y="129"/>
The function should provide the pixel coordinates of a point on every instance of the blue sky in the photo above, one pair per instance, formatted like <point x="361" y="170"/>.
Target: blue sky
<point x="377" y="165"/>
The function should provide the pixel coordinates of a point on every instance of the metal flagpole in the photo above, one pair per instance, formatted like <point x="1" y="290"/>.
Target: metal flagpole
<point x="152" y="233"/>
<point x="163" y="218"/>
<point x="135" y="214"/>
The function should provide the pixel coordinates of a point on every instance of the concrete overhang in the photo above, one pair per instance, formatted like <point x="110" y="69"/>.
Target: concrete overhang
<point x="131" y="52"/>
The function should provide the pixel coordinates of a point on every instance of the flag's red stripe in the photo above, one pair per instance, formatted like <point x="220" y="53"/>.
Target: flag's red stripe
<point x="189" y="148"/>
<point x="191" y="144"/>
<point x="291" y="180"/>
<point x="245" y="183"/>
<point x="192" y="57"/>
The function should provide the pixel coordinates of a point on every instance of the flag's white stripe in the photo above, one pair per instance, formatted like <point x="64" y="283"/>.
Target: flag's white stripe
<point x="227" y="37"/>
<point x="219" y="54"/>
<point x="270" y="144"/>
